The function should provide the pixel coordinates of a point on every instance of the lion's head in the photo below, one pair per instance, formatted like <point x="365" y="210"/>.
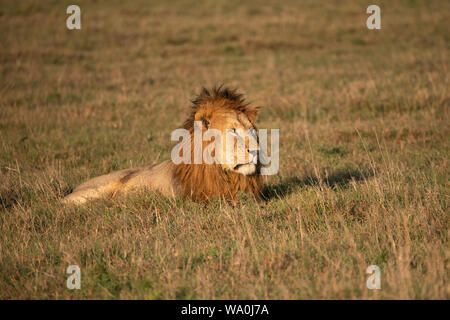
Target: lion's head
<point x="236" y="169"/>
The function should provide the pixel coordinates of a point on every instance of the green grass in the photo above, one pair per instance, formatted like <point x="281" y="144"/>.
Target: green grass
<point x="364" y="126"/>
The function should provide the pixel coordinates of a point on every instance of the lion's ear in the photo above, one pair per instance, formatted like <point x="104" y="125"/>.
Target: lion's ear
<point x="205" y="122"/>
<point x="252" y="113"/>
<point x="204" y="117"/>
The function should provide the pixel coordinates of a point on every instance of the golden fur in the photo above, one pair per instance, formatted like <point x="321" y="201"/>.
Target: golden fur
<point x="220" y="109"/>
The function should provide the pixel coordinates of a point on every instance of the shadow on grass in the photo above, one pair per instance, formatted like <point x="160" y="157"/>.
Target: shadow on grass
<point x="8" y="199"/>
<point x="338" y="178"/>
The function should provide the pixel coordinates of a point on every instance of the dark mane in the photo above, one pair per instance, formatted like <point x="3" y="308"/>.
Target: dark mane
<point x="219" y="93"/>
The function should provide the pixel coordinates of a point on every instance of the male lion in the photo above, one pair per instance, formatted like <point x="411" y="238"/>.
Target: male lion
<point x="221" y="109"/>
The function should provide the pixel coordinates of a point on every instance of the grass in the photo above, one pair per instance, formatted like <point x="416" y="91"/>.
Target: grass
<point x="364" y="126"/>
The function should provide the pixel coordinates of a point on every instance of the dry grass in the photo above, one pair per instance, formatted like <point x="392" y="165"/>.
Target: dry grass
<point x="364" y="119"/>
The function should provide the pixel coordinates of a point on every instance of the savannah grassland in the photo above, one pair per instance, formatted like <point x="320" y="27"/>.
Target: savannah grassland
<point x="364" y="144"/>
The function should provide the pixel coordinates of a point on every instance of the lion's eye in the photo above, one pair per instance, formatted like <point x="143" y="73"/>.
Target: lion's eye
<point x="233" y="130"/>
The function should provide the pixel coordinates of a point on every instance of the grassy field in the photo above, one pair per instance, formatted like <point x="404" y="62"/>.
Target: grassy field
<point x="364" y="144"/>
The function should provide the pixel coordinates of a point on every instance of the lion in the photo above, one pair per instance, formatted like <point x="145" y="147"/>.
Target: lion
<point x="222" y="109"/>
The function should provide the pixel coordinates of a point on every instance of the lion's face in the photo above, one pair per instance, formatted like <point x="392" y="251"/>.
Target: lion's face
<point x="239" y="143"/>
